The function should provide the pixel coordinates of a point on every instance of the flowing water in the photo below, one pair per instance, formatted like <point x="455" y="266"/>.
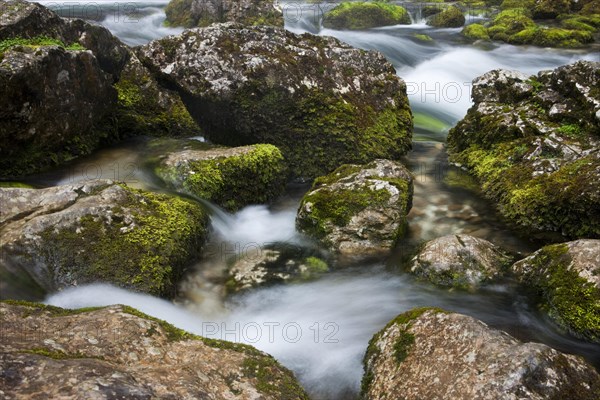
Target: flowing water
<point x="320" y="329"/>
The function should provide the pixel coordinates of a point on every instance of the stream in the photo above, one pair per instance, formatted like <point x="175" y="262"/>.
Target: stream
<point x="320" y="329"/>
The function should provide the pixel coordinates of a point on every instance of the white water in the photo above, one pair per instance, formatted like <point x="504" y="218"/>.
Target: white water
<point x="357" y="301"/>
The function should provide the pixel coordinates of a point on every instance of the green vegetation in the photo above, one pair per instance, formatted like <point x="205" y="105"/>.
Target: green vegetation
<point x="476" y="32"/>
<point x="185" y="13"/>
<point x="572" y="301"/>
<point x="4" y="184"/>
<point x="55" y="354"/>
<point x="430" y="123"/>
<point x="252" y="177"/>
<point x="34" y="43"/>
<point x="54" y="311"/>
<point x="451" y="17"/>
<point x="422" y="37"/>
<point x="316" y="265"/>
<point x="143" y="244"/>
<point x="363" y="15"/>
<point x="281" y="386"/>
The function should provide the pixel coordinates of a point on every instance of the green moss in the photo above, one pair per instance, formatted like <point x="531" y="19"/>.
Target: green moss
<point x="552" y="37"/>
<point x="55" y="354"/>
<point x="422" y="37"/>
<point x="178" y="14"/>
<point x="569" y="299"/>
<point x="187" y="14"/>
<point x="402" y="345"/>
<point x="572" y="131"/>
<point x="54" y="311"/>
<point x="34" y="43"/>
<point x="508" y="23"/>
<point x="148" y="253"/>
<point x="316" y="265"/>
<point x="15" y="185"/>
<point x="475" y="32"/>
<point x="451" y="17"/>
<point x="252" y="177"/>
<point x="524" y="4"/>
<point x="278" y="385"/>
<point x="361" y="15"/>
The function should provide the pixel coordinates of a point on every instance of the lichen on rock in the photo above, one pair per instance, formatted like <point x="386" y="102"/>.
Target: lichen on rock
<point x="358" y="210"/>
<point x="100" y="232"/>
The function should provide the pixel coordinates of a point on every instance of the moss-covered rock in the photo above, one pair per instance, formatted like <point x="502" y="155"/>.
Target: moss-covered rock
<point x="475" y="32"/>
<point x="365" y="15"/>
<point x="552" y="37"/>
<point x="229" y="177"/>
<point x="566" y="277"/>
<point x="358" y="211"/>
<point x="532" y="143"/>
<point x="146" y="108"/>
<point x="101" y="232"/>
<point x="272" y="264"/>
<point x="460" y="261"/>
<point x="510" y="22"/>
<point x="428" y="353"/>
<point x="97" y="352"/>
<point x="191" y="13"/>
<point x="323" y="103"/>
<point x="550" y="9"/>
<point x="451" y="17"/>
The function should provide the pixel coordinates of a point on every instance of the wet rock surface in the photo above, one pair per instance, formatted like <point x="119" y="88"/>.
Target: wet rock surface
<point x="566" y="277"/>
<point x="320" y="101"/>
<point x="191" y="13"/>
<point x="118" y="352"/>
<point x="100" y="231"/>
<point x="533" y="143"/>
<point x="460" y="261"/>
<point x="358" y="210"/>
<point x="434" y="354"/>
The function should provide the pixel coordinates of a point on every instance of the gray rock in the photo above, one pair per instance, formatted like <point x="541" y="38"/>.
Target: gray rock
<point x="460" y="261"/>
<point x="533" y="143"/>
<point x="191" y="13"/>
<point x="322" y="102"/>
<point x="358" y="210"/>
<point x="433" y="354"/>
<point x="99" y="231"/>
<point x="567" y="278"/>
<point x="118" y="352"/>
<point x="277" y="263"/>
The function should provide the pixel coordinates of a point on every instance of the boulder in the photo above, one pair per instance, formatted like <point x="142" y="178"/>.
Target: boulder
<point x="118" y="352"/>
<point x="53" y="103"/>
<point x="230" y="177"/>
<point x="323" y="103"/>
<point x="566" y="277"/>
<point x="433" y="354"/>
<point x="192" y="13"/>
<point x="451" y="17"/>
<point x="273" y="264"/>
<point x="533" y="144"/>
<point x="365" y="15"/>
<point x="358" y="210"/>
<point x="146" y="108"/>
<point x="475" y="32"/>
<point x="549" y="9"/>
<point x="460" y="261"/>
<point x="100" y="231"/>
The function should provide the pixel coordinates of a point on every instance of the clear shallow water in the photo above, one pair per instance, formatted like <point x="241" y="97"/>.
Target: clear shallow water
<point x="338" y="313"/>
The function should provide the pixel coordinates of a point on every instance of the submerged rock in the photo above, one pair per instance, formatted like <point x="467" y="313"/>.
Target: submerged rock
<point x="460" y="261"/>
<point x="191" y="13"/>
<point x="361" y="15"/>
<point x="230" y="177"/>
<point x="320" y="101"/>
<point x="118" y="352"/>
<point x="272" y="264"/>
<point x="100" y="232"/>
<point x="358" y="210"/>
<point x="54" y="100"/>
<point x="432" y="354"/>
<point x="533" y="144"/>
<point x="567" y="278"/>
<point x="451" y="17"/>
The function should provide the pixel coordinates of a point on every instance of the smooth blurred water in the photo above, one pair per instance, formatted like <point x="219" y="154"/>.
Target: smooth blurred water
<point x="339" y="313"/>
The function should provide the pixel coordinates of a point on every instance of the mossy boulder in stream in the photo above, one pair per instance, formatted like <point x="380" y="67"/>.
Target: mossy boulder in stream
<point x="451" y="17"/>
<point x="566" y="277"/>
<point x="272" y="264"/>
<point x="322" y="102"/>
<point x="358" y="210"/>
<point x="191" y="13"/>
<point x="532" y="141"/>
<point x="460" y="261"/>
<point x="100" y="232"/>
<point x="119" y="352"/>
<point x="428" y="353"/>
<point x="230" y="177"/>
<point x="365" y="15"/>
<point x="475" y="32"/>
